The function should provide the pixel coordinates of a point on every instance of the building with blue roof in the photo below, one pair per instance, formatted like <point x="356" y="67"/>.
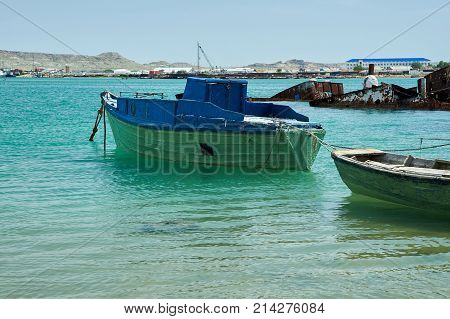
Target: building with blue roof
<point x="387" y="63"/>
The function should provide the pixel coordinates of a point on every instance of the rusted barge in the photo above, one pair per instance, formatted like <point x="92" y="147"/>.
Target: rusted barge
<point x="438" y="84"/>
<point x="431" y="93"/>
<point x="306" y="91"/>
<point x="385" y="96"/>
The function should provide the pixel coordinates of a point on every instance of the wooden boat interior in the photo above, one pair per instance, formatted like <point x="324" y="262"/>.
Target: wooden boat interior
<point x="400" y="163"/>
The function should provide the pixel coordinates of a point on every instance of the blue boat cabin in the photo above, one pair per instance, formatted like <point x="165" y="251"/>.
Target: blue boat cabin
<point x="203" y="101"/>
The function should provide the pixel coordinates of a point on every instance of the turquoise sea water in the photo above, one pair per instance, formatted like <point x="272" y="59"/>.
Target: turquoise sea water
<point x="78" y="224"/>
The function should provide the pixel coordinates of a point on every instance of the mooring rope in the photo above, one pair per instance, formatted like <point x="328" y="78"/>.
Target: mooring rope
<point x="100" y="113"/>
<point x="394" y="150"/>
<point x="97" y="122"/>
<point x="332" y="147"/>
<point x="329" y="147"/>
<point x="418" y="149"/>
<point x="277" y="137"/>
<point x="104" y="129"/>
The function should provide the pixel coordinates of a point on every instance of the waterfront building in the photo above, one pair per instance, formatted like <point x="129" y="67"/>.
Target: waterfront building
<point x="240" y="70"/>
<point x="172" y="70"/>
<point x="386" y="63"/>
<point x="121" y="72"/>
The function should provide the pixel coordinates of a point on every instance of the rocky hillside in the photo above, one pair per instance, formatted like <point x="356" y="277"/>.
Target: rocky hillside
<point x="113" y="60"/>
<point x="101" y="62"/>
<point x="165" y="64"/>
<point x="291" y="65"/>
<point x="31" y="60"/>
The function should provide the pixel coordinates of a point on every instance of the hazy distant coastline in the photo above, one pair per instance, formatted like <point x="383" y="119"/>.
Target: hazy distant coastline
<point x="112" y="60"/>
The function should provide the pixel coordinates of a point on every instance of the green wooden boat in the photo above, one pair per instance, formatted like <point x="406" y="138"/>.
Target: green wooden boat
<point x="405" y="180"/>
<point x="213" y="123"/>
<point x="283" y="149"/>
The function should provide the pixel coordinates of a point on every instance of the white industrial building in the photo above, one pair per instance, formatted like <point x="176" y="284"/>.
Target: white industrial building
<point x="172" y="70"/>
<point x="240" y="70"/>
<point x="392" y="63"/>
<point x="122" y="72"/>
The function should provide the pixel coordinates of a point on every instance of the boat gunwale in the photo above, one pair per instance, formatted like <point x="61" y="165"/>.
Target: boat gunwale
<point x="261" y="128"/>
<point x="385" y="171"/>
<point x="180" y="128"/>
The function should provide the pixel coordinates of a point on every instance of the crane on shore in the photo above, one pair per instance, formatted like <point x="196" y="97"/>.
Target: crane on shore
<point x="200" y="50"/>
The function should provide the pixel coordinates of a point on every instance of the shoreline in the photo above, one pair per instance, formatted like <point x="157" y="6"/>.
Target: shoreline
<point x="259" y="76"/>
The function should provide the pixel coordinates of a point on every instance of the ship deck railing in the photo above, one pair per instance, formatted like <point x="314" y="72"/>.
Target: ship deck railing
<point x="141" y="95"/>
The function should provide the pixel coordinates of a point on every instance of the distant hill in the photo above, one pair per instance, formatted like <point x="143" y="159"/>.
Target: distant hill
<point x="113" y="60"/>
<point x="31" y="60"/>
<point x="165" y="64"/>
<point x="292" y="65"/>
<point x="101" y="62"/>
<point x="278" y="64"/>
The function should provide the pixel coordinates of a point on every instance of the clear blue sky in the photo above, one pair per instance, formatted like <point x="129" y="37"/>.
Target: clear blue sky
<point x="232" y="32"/>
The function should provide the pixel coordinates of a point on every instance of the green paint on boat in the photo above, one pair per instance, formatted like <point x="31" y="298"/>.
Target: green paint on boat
<point x="417" y="187"/>
<point x="283" y="149"/>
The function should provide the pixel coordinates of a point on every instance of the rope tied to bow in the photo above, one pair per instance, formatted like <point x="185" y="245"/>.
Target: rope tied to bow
<point x="97" y="122"/>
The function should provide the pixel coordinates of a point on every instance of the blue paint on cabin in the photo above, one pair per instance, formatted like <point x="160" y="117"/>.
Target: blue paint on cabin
<point x="226" y="94"/>
<point x="206" y="104"/>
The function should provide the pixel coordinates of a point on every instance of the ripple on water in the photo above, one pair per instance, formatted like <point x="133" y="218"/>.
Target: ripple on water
<point x="76" y="223"/>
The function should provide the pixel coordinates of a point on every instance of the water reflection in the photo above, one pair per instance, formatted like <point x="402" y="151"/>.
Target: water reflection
<point x="128" y="172"/>
<point x="366" y="210"/>
<point x="380" y="229"/>
<point x="199" y="209"/>
<point x="223" y="206"/>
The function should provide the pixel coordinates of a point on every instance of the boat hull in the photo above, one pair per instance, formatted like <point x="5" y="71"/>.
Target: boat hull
<point x="413" y="191"/>
<point x="282" y="149"/>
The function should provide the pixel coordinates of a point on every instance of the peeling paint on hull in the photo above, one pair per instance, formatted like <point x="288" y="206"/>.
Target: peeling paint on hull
<point x="386" y="96"/>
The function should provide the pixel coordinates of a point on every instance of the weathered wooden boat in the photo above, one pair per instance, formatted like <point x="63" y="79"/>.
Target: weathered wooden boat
<point x="214" y="123"/>
<point x="405" y="180"/>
